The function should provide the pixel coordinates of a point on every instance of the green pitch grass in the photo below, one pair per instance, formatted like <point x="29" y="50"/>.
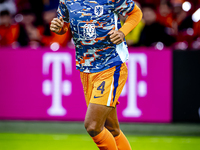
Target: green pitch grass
<point x="19" y="141"/>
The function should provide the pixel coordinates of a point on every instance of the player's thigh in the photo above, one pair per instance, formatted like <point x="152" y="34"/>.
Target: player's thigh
<point x="96" y="116"/>
<point x="112" y="123"/>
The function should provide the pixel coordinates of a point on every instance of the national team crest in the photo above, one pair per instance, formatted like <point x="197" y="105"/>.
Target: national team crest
<point x="98" y="10"/>
<point x="86" y="30"/>
<point x="89" y="31"/>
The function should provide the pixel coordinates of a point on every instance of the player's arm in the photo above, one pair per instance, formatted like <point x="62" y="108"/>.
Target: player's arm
<point x="134" y="17"/>
<point x="59" y="26"/>
<point x="131" y="22"/>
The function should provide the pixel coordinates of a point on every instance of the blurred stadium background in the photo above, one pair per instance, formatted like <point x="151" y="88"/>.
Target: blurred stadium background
<point x="41" y="99"/>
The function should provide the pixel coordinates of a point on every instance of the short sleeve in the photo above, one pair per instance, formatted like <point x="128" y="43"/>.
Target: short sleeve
<point x="63" y="11"/>
<point x="124" y="7"/>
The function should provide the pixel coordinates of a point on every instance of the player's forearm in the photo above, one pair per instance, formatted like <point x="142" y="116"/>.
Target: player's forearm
<point x="133" y="19"/>
<point x="64" y="29"/>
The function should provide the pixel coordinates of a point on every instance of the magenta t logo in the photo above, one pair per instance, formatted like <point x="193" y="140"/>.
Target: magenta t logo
<point x="57" y="87"/>
<point x="133" y="87"/>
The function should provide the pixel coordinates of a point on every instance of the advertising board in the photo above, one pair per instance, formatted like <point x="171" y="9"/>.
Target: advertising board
<point x="44" y="85"/>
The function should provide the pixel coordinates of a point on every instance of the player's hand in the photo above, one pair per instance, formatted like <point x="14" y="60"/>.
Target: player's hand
<point x="116" y="36"/>
<point x="56" y="24"/>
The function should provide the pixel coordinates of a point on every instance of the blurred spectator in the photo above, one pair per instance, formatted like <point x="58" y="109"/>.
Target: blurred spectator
<point x="50" y="4"/>
<point x="165" y="15"/>
<point x="153" y="32"/>
<point x="8" y="31"/>
<point x="35" y="6"/>
<point x="196" y="26"/>
<point x="183" y="26"/>
<point x="196" y="41"/>
<point x="28" y="33"/>
<point x="8" y="5"/>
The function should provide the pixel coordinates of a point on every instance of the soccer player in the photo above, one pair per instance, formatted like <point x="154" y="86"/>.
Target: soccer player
<point x="101" y="53"/>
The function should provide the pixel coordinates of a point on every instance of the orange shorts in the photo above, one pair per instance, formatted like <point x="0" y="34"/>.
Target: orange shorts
<point x="104" y="87"/>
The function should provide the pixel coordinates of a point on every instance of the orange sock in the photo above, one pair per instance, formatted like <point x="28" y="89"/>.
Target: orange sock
<point x="105" y="140"/>
<point x="122" y="142"/>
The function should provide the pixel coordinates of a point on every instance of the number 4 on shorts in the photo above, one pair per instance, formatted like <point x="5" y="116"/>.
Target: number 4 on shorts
<point x="101" y="87"/>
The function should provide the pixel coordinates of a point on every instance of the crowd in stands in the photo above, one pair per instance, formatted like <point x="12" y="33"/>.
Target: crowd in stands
<point x="165" y="23"/>
<point x="28" y="24"/>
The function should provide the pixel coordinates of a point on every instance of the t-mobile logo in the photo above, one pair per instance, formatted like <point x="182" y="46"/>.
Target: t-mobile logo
<point x="135" y="88"/>
<point x="57" y="87"/>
